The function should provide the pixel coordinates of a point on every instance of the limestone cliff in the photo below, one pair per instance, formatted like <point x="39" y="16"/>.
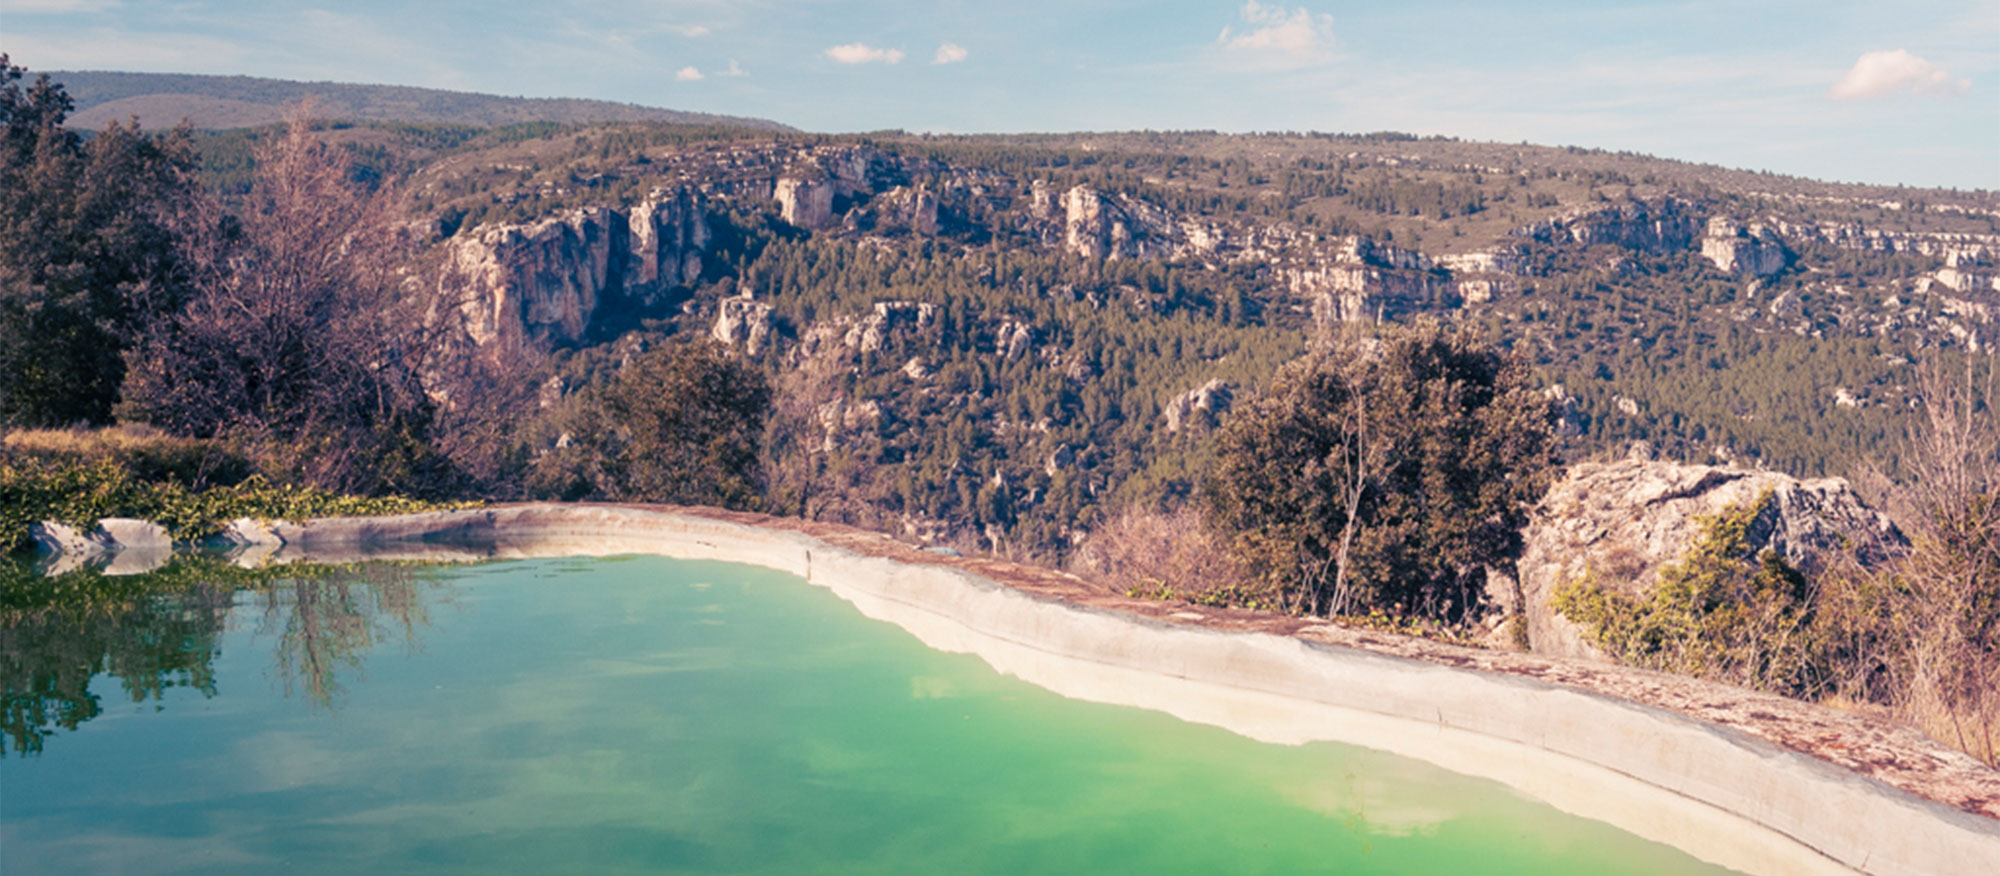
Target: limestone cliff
<point x="1363" y="280"/>
<point x="1661" y="226"/>
<point x="1743" y="249"/>
<point x="541" y="284"/>
<point x="806" y="203"/>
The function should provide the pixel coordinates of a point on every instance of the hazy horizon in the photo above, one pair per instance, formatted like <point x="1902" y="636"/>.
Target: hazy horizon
<point x="1845" y="92"/>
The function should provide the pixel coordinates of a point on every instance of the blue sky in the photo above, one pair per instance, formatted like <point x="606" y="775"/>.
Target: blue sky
<point x="1902" y="92"/>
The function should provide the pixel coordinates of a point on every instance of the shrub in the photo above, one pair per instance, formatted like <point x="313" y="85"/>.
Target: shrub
<point x="681" y="423"/>
<point x="1170" y="554"/>
<point x="1723" y="611"/>
<point x="80" y="494"/>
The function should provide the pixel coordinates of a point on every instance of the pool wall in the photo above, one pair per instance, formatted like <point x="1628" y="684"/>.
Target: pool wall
<point x="1716" y="792"/>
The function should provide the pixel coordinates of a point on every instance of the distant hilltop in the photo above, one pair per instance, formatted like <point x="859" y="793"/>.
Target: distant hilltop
<point x="162" y="100"/>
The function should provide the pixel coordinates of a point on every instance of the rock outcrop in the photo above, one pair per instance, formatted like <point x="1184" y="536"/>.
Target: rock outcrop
<point x="667" y="234"/>
<point x="1743" y="249"/>
<point x="1622" y="521"/>
<point x="913" y="209"/>
<point x="1213" y="397"/>
<point x="744" y="321"/>
<point x="1663" y="226"/>
<point x="534" y="283"/>
<point x="1364" y="280"/>
<point x="805" y="203"/>
<point x="540" y="284"/>
<point x="1092" y="227"/>
<point x="116" y="545"/>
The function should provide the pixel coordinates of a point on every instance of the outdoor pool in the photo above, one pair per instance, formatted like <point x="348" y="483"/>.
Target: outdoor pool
<point x="646" y="715"/>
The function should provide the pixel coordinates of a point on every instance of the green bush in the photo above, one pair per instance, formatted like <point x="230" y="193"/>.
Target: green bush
<point x="1723" y="611"/>
<point x="80" y="494"/>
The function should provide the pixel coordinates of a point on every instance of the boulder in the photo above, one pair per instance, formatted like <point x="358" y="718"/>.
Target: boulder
<point x="126" y="534"/>
<point x="64" y="540"/>
<point x="1621" y="521"/>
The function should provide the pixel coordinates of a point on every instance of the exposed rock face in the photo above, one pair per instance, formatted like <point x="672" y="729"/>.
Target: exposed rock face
<point x="1658" y="227"/>
<point x="1013" y="340"/>
<point x="1499" y="260"/>
<point x="743" y="321"/>
<point x="540" y="284"/>
<point x="914" y="209"/>
<point x="1968" y="270"/>
<point x="805" y="203"/>
<point x="1743" y="249"/>
<point x="871" y="332"/>
<point x="1092" y="228"/>
<point x="534" y="283"/>
<point x="1623" y="520"/>
<point x="1571" y="421"/>
<point x="1364" y="280"/>
<point x="667" y="234"/>
<point x="1215" y="397"/>
<point x="840" y="417"/>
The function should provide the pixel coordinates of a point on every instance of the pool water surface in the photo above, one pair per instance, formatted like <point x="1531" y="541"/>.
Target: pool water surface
<point x="645" y="715"/>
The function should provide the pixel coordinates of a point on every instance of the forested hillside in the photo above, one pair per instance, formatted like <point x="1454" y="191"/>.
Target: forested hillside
<point x="999" y="340"/>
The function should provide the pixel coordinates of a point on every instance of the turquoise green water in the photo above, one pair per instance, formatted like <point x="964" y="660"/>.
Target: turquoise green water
<point x="655" y="716"/>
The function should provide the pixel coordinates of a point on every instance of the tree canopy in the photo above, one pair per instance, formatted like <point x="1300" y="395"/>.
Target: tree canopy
<point x="1385" y="472"/>
<point x="87" y="251"/>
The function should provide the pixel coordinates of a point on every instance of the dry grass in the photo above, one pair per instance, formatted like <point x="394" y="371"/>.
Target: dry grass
<point x="1170" y="554"/>
<point x="148" y="453"/>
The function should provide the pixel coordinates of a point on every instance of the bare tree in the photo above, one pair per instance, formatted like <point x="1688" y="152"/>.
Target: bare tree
<point x="305" y="338"/>
<point x="1950" y="579"/>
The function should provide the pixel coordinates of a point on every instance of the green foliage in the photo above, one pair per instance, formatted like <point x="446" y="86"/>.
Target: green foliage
<point x="1386" y="475"/>
<point x="681" y="423"/>
<point x="79" y="495"/>
<point x="1723" y="611"/>
<point x="87" y="254"/>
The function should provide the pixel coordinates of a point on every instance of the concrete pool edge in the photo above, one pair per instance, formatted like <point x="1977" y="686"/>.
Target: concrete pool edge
<point x="1455" y="715"/>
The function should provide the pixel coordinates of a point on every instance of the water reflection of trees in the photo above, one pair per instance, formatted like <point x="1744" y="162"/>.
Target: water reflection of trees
<point x="163" y="630"/>
<point x="325" y="622"/>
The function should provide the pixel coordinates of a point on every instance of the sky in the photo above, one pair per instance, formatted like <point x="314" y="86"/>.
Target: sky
<point x="1903" y="92"/>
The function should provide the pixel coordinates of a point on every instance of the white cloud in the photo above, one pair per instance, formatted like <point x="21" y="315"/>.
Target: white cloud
<point x="1273" y="38"/>
<point x="733" y="71"/>
<point x="949" y="53"/>
<point x="688" y="74"/>
<point x="1882" y="74"/>
<point x="694" y="30"/>
<point x="862" y="53"/>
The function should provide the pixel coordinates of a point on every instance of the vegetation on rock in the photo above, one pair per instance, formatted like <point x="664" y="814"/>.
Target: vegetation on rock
<point x="1724" y="611"/>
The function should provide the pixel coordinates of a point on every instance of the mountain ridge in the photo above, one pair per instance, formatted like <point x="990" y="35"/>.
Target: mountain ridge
<point x="222" y="102"/>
